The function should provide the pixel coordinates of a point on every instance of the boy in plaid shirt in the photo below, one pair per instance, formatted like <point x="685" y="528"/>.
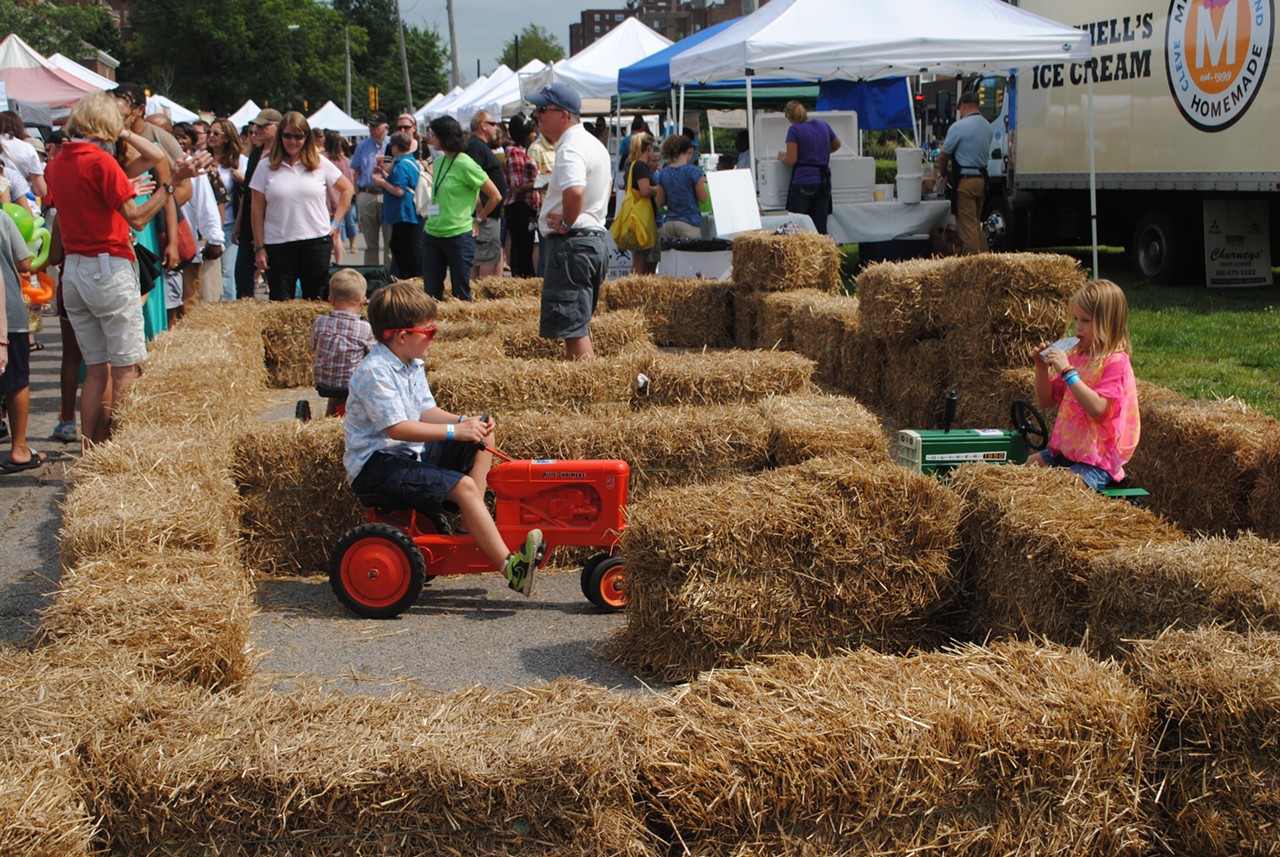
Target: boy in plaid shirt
<point x="340" y="339"/>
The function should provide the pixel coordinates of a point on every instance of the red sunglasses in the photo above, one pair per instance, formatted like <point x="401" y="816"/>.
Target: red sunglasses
<point x="428" y="332"/>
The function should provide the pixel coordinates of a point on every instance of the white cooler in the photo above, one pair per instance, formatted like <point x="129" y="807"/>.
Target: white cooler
<point x="773" y="178"/>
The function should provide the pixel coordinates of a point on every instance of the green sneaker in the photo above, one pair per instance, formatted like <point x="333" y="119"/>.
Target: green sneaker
<point x="520" y="565"/>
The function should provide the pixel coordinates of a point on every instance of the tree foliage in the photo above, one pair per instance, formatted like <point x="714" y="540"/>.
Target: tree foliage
<point x="215" y="54"/>
<point x="535" y="43"/>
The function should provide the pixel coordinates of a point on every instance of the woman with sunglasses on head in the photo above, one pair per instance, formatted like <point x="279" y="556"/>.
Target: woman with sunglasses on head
<point x="292" y="229"/>
<point x="228" y="158"/>
<point x="454" y="221"/>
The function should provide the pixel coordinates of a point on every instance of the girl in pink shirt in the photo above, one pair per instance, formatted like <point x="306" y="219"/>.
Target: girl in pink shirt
<point x="1098" y="426"/>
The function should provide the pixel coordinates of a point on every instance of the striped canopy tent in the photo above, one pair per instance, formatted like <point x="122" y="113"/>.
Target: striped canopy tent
<point x="28" y="76"/>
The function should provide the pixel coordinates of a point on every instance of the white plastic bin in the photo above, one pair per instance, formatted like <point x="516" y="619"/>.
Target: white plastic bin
<point x="909" y="188"/>
<point x="910" y="161"/>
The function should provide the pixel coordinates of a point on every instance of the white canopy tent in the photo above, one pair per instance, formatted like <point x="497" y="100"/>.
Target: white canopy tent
<point x="170" y="108"/>
<point x="89" y="76"/>
<point x="247" y="111"/>
<point x="445" y="106"/>
<point x="593" y="71"/>
<point x="504" y="100"/>
<point x="421" y="113"/>
<point x="870" y="39"/>
<point x="331" y="117"/>
<point x="463" y="110"/>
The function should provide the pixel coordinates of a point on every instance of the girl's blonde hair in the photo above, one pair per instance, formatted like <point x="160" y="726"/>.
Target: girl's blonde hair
<point x="639" y="144"/>
<point x="309" y="154"/>
<point x="795" y="112"/>
<point x="1105" y="303"/>
<point x="95" y="117"/>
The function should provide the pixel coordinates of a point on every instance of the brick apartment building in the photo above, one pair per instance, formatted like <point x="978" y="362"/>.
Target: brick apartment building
<point x="675" y="19"/>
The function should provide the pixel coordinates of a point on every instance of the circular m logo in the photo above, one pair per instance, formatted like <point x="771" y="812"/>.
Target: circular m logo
<point x="1216" y="55"/>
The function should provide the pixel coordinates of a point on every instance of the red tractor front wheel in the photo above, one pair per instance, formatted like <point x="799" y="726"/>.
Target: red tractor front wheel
<point x="377" y="571"/>
<point x="604" y="582"/>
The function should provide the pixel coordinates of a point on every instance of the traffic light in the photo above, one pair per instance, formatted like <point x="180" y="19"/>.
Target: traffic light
<point x="373" y="98"/>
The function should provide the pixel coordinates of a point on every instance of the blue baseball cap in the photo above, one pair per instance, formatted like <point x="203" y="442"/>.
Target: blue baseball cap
<point x="558" y="95"/>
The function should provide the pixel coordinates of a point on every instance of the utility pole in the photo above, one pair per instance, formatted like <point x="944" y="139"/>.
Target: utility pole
<point x="404" y="61"/>
<point x="517" y="50"/>
<point x="454" y="77"/>
<point x="346" y="35"/>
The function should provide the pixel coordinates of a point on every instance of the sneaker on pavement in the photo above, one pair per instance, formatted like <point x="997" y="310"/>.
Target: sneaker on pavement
<point x="66" y="432"/>
<point x="520" y="565"/>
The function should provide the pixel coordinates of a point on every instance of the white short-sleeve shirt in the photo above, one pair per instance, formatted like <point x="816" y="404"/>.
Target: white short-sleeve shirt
<point x="21" y="161"/>
<point x="297" y="201"/>
<point x="581" y="161"/>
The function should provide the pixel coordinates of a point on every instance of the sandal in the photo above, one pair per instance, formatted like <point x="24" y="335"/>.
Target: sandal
<point x="36" y="345"/>
<point x="37" y="460"/>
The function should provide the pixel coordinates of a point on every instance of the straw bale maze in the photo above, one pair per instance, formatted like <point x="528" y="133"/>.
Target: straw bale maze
<point x="866" y="661"/>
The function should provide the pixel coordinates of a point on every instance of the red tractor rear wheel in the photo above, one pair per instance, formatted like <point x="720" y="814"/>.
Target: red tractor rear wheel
<point x="377" y="571"/>
<point x="604" y="582"/>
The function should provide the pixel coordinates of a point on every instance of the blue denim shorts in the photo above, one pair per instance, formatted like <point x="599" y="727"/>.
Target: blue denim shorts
<point x="1095" y="477"/>
<point x="419" y="483"/>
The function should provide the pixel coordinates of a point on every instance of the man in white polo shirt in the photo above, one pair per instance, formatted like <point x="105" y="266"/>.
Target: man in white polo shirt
<point x="572" y="221"/>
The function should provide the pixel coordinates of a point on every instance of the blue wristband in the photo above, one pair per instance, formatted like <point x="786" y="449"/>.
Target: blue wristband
<point x="334" y="223"/>
<point x="1071" y="378"/>
<point x="448" y="431"/>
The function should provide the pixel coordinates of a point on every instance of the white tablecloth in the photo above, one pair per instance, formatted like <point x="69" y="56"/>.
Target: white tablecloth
<point x="885" y="221"/>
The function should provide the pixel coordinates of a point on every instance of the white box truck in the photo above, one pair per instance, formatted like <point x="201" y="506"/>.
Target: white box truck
<point x="1186" y="118"/>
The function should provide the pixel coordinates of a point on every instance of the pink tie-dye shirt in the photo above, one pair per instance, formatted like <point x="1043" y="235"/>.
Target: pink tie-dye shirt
<point x="1109" y="441"/>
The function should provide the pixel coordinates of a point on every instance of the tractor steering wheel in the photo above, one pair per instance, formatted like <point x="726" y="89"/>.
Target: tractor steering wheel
<point x="1029" y="422"/>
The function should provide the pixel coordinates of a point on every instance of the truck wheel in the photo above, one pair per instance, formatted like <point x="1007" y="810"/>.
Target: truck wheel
<point x="377" y="571"/>
<point x="1156" y="254"/>
<point x="604" y="583"/>
<point x="998" y="224"/>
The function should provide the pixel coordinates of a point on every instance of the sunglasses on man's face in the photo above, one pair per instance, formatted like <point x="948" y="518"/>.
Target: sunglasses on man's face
<point x="428" y="332"/>
<point x="540" y="110"/>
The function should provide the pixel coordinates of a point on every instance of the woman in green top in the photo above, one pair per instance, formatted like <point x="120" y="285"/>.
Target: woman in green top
<point x="453" y="219"/>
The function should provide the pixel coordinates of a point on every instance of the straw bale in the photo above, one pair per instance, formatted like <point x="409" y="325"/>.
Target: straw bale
<point x="985" y="398"/>
<point x="241" y="319"/>
<point x="663" y="445"/>
<point x="1013" y="749"/>
<point x="747" y="308"/>
<point x="916" y="380"/>
<point x="211" y="378"/>
<point x="804" y="427"/>
<point x="1264" y="502"/>
<point x="294" y="500"/>
<point x="547" y="770"/>
<point x="449" y="349"/>
<point x="611" y="334"/>
<point x="286" y="341"/>
<point x="1029" y="535"/>
<point x="763" y="261"/>
<point x="498" y="288"/>
<point x="681" y="312"/>
<point x="1201" y="460"/>
<point x="903" y="302"/>
<point x="774" y="325"/>
<point x="862" y="363"/>
<point x="1154" y="394"/>
<point x="183" y="616"/>
<point x="503" y="386"/>
<point x="492" y="312"/>
<point x="819" y="330"/>
<point x="808" y="558"/>
<point x="722" y="377"/>
<point x="1133" y="593"/>
<point x="1217" y="761"/>
<point x="129" y="513"/>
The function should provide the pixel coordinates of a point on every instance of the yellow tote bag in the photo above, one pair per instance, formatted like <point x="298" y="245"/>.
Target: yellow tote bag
<point x="634" y="228"/>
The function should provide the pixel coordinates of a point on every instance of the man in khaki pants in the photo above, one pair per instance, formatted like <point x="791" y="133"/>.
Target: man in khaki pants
<point x="968" y="143"/>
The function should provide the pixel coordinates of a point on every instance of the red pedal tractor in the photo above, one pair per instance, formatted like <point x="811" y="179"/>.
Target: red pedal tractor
<point x="379" y="568"/>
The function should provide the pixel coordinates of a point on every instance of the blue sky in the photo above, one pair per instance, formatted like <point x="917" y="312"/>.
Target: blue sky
<point x="485" y="25"/>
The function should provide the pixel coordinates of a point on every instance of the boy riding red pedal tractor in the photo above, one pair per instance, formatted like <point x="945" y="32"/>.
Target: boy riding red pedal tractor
<point x="379" y="567"/>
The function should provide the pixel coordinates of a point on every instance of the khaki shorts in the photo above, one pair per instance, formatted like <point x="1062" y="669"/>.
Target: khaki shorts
<point x="489" y="242"/>
<point x="105" y="309"/>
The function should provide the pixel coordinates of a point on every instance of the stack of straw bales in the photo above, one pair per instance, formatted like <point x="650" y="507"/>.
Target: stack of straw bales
<point x="1202" y="461"/>
<point x="1030" y="534"/>
<point x="294" y="497"/>
<point x="547" y="770"/>
<point x="497" y="288"/>
<point x="612" y="333"/>
<point x="1216" y="766"/>
<point x="1264" y="505"/>
<point x="681" y="312"/>
<point x="764" y="262"/>
<point x="805" y="427"/>
<point x="965" y="323"/>
<point x="808" y="558"/>
<point x="1138" y="592"/>
<point x="1012" y="749"/>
